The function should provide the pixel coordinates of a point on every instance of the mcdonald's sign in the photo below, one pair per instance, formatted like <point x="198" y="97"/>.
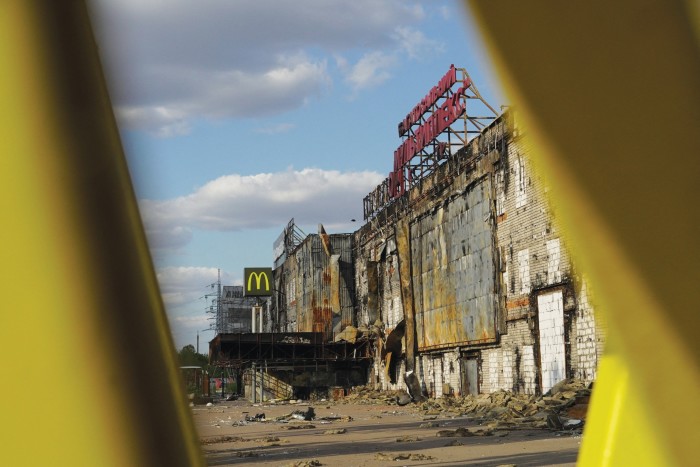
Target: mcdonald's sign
<point x="257" y="282"/>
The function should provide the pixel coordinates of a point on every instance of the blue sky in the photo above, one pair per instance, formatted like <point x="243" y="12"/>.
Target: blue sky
<point x="238" y="115"/>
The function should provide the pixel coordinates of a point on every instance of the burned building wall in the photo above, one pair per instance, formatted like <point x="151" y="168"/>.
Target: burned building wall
<point x="380" y="306"/>
<point x="498" y="303"/>
<point x="316" y="286"/>
<point x="235" y="310"/>
<point x="454" y="272"/>
<point x="550" y="321"/>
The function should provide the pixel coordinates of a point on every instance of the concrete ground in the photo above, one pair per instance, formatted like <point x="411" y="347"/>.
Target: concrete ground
<point x="368" y="435"/>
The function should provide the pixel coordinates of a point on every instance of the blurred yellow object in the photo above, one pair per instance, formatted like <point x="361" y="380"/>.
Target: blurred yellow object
<point x="89" y="374"/>
<point x="609" y="93"/>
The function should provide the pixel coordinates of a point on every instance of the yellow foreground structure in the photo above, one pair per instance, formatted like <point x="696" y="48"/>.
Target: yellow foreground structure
<point x="610" y="94"/>
<point x="82" y="320"/>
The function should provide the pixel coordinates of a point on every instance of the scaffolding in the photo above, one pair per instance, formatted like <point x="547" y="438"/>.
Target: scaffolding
<point x="231" y="309"/>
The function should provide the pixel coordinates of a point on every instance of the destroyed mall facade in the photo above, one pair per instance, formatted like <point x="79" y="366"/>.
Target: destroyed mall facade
<point x="460" y="280"/>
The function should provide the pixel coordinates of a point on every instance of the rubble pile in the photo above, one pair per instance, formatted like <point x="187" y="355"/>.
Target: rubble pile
<point x="562" y="408"/>
<point x="381" y="456"/>
<point x="367" y="396"/>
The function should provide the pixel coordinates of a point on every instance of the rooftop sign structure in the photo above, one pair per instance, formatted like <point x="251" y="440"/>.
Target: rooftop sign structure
<point x="436" y="128"/>
<point x="288" y="240"/>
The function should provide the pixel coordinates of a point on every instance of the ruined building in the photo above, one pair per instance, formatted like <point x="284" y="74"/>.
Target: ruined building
<point x="495" y="298"/>
<point x="234" y="315"/>
<point x="460" y="280"/>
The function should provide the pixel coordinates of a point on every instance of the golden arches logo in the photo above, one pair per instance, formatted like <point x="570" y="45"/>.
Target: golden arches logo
<point x="257" y="281"/>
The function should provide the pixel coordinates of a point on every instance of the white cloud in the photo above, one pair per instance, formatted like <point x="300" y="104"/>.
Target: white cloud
<point x="169" y="238"/>
<point x="172" y="62"/>
<point x="236" y="202"/>
<point x="231" y="93"/>
<point x="182" y="286"/>
<point x="415" y="44"/>
<point x="188" y="294"/>
<point x="371" y="70"/>
<point x="374" y="67"/>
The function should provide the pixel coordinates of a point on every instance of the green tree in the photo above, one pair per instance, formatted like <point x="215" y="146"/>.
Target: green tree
<point x="189" y="357"/>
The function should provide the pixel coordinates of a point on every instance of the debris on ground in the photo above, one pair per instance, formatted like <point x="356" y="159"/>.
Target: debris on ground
<point x="562" y="408"/>
<point x="220" y="439"/>
<point x="311" y="463"/>
<point x="381" y="456"/>
<point x="237" y="439"/>
<point x="429" y="425"/>
<point x="407" y="439"/>
<point x="339" y="431"/>
<point x="258" y="417"/>
<point x="463" y="432"/>
<point x="365" y="395"/>
<point x="335" y="418"/>
<point x="266" y="439"/>
<point x="307" y="415"/>
<point x="403" y="398"/>
<point x="244" y="454"/>
<point x="297" y="427"/>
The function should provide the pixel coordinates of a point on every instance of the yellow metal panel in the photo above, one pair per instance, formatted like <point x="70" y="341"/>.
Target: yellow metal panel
<point x="82" y="323"/>
<point x="609" y="92"/>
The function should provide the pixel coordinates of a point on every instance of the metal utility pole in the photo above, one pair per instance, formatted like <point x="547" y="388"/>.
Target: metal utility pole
<point x="215" y="307"/>
<point x="219" y="315"/>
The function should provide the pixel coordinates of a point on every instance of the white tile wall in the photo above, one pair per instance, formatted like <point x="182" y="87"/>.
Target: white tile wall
<point x="527" y="368"/>
<point x="507" y="380"/>
<point x="553" y="257"/>
<point x="524" y="270"/>
<point x="520" y="183"/>
<point x="587" y="335"/>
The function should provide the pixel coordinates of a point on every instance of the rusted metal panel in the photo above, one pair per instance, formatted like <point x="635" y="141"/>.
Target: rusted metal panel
<point x="403" y="247"/>
<point x="342" y="245"/>
<point x="453" y="263"/>
<point x="335" y="284"/>
<point x="319" y="288"/>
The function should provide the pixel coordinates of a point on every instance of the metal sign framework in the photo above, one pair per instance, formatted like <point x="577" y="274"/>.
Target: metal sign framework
<point x="287" y="241"/>
<point x="432" y="132"/>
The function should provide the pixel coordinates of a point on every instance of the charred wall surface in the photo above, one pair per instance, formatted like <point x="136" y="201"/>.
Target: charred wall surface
<point x="496" y="299"/>
<point x="315" y="286"/>
<point x="235" y="313"/>
<point x="453" y="263"/>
